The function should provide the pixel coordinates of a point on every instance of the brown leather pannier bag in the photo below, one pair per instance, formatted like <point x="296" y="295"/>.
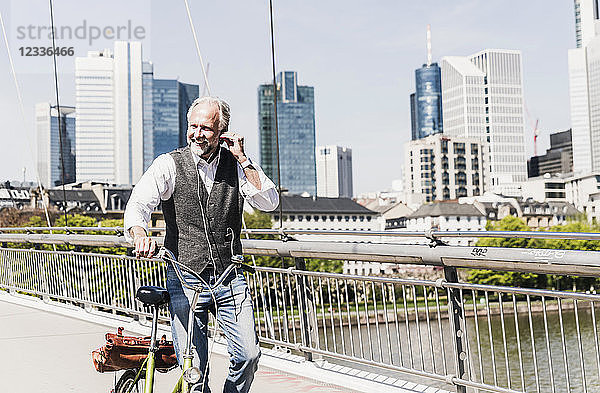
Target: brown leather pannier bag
<point x="128" y="352"/>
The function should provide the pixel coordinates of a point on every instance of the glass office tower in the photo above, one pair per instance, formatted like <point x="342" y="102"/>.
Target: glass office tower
<point x="48" y="146"/>
<point x="426" y="117"/>
<point x="296" y="121"/>
<point x="171" y="100"/>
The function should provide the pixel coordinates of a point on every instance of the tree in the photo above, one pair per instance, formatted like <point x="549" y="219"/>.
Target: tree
<point x="75" y="220"/>
<point x="512" y="279"/>
<point x="262" y="220"/>
<point x="511" y="223"/>
<point x="575" y="282"/>
<point x="325" y="265"/>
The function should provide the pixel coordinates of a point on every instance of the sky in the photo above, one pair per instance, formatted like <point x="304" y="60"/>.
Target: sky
<point x="360" y="57"/>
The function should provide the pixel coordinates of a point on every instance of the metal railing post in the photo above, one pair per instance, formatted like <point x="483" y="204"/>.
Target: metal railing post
<point x="306" y="308"/>
<point x="455" y="304"/>
<point x="46" y="288"/>
<point x="85" y="276"/>
<point x="133" y="282"/>
<point x="12" y="287"/>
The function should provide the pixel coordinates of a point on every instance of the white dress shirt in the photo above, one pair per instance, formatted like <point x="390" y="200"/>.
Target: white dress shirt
<point x="158" y="183"/>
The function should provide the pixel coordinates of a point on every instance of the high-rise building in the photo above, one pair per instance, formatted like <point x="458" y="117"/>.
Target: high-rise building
<point x="296" y="122"/>
<point x="586" y="14"/>
<point x="482" y="97"/>
<point x="113" y="141"/>
<point x="147" y="102"/>
<point x="584" y="88"/>
<point x="171" y="102"/>
<point x="48" y="142"/>
<point x="558" y="159"/>
<point x="334" y="171"/>
<point x="441" y="167"/>
<point x="413" y="116"/>
<point x="426" y="102"/>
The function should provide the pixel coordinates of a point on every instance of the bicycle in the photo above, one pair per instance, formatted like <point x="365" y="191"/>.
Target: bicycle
<point x="154" y="297"/>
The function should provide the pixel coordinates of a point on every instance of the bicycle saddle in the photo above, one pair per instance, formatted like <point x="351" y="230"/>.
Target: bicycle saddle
<point x="152" y="296"/>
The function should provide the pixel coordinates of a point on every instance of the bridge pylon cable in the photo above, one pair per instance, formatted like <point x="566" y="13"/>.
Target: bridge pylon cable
<point x="22" y="112"/>
<point x="204" y="73"/>
<point x="58" y="114"/>
<point x="275" y="120"/>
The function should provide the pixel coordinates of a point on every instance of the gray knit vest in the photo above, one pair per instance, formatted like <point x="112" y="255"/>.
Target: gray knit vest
<point x="223" y="208"/>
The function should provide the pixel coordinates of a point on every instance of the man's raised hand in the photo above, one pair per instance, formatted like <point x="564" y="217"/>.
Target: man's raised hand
<point x="235" y="142"/>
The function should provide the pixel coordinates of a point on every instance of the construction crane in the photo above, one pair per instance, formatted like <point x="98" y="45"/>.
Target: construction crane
<point x="536" y="132"/>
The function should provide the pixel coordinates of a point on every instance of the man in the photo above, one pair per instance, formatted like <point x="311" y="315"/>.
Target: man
<point x="202" y="188"/>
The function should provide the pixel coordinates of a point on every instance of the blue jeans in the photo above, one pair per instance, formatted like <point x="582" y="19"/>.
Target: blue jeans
<point x="234" y="315"/>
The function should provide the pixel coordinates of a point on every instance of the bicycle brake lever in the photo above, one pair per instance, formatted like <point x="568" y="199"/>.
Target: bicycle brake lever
<point x="238" y="260"/>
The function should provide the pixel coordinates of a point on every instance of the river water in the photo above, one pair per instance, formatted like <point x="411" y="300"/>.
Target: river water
<point x="424" y="351"/>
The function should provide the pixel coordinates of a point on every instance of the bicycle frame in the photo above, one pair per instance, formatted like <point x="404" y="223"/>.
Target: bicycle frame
<point x="149" y="363"/>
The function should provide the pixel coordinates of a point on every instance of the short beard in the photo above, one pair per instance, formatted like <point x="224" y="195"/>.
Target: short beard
<point x="203" y="152"/>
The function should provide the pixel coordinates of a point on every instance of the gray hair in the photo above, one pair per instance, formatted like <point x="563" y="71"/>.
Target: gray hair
<point x="224" y="110"/>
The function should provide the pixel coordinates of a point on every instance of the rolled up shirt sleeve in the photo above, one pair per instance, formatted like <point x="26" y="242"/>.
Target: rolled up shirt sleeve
<point x="265" y="199"/>
<point x="155" y="185"/>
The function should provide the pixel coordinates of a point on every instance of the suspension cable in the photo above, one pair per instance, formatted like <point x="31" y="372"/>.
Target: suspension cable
<point x="275" y="114"/>
<point x="22" y="111"/>
<point x="59" y="115"/>
<point x="187" y="8"/>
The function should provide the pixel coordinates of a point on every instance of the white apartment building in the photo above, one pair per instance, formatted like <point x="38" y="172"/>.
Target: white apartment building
<point x="546" y="188"/>
<point x="334" y="171"/>
<point x="447" y="216"/>
<point x="441" y="167"/>
<point x="584" y="88"/>
<point x="583" y="191"/>
<point x="48" y="144"/>
<point x="110" y="135"/>
<point x="321" y="213"/>
<point x="482" y="96"/>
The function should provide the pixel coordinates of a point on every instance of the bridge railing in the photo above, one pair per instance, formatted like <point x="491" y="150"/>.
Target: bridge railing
<point x="486" y="337"/>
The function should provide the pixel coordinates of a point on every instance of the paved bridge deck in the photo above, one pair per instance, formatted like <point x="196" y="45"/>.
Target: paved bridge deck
<point x="45" y="350"/>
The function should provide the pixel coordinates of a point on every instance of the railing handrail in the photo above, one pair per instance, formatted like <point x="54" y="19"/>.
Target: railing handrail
<point x="302" y="310"/>
<point x="549" y="261"/>
<point x="388" y="233"/>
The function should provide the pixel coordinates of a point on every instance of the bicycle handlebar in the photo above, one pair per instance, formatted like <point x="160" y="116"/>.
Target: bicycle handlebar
<point x="236" y="262"/>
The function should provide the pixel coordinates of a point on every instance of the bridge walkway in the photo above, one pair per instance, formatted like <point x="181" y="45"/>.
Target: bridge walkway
<point x="46" y="348"/>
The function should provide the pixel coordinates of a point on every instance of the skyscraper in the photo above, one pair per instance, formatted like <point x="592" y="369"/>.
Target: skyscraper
<point x="334" y="171"/>
<point x="413" y="116"/>
<point x="558" y="159"/>
<point x="482" y="97"/>
<point x="171" y="102"/>
<point x="584" y="88"/>
<point x="113" y="142"/>
<point x="586" y="14"/>
<point x="147" y="102"/>
<point x="426" y="102"/>
<point x="296" y="121"/>
<point x="48" y="144"/>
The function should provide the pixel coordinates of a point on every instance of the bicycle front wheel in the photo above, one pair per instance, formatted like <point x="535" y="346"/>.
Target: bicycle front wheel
<point x="128" y="384"/>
